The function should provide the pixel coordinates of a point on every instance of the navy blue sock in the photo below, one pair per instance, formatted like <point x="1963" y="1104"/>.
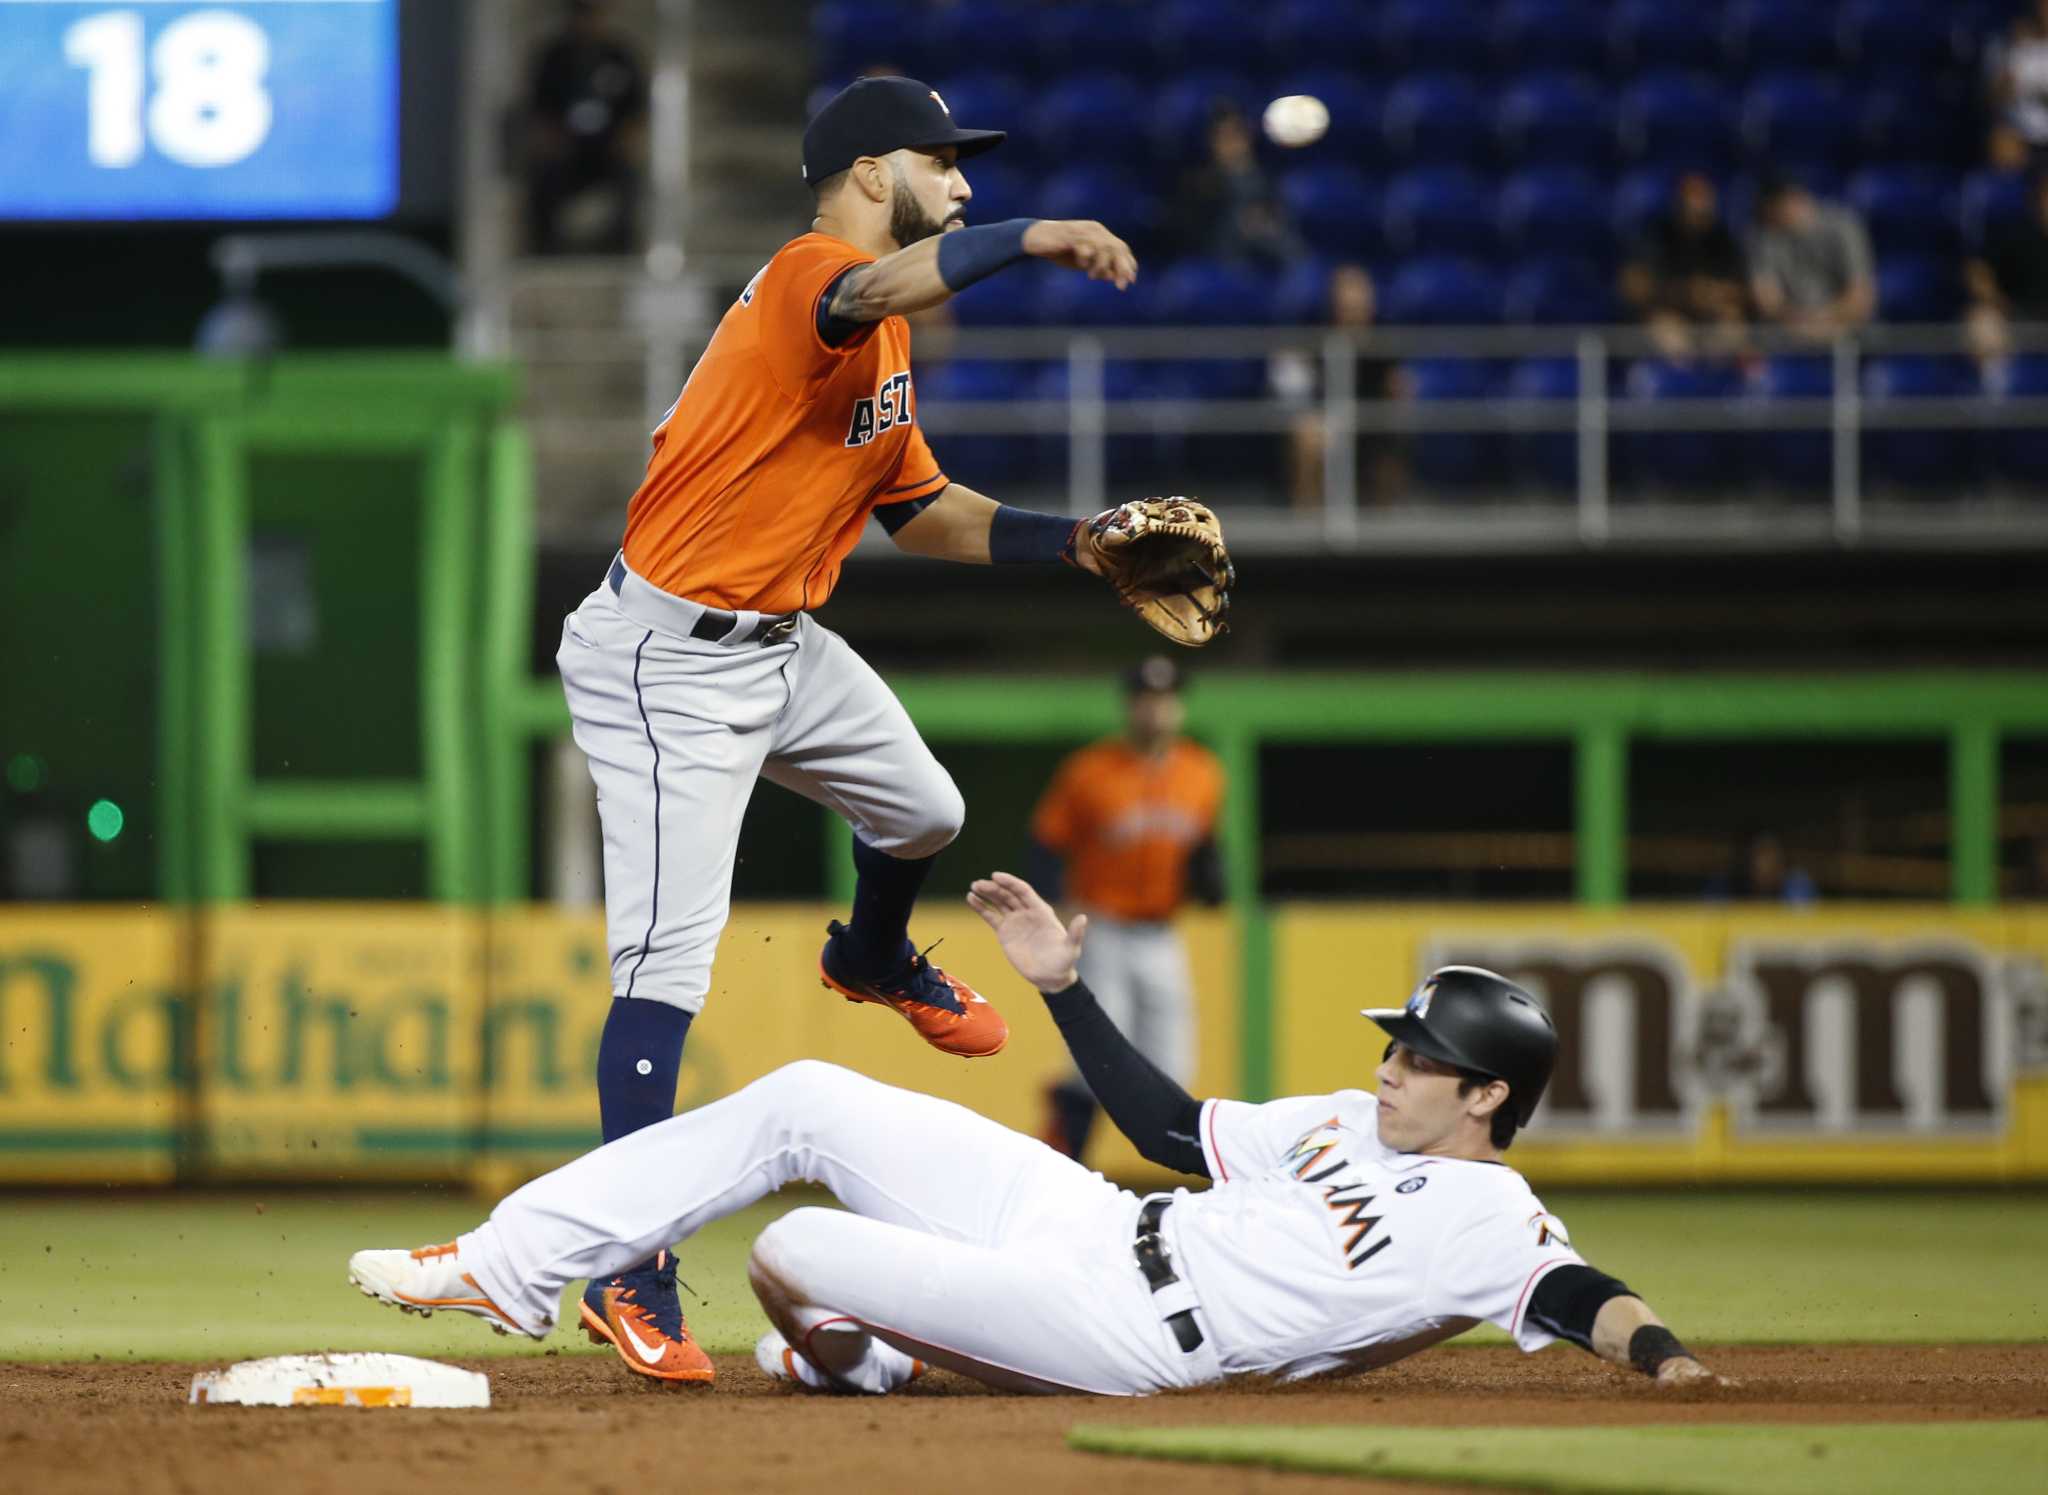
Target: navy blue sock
<point x="638" y="1059"/>
<point x="879" y="930"/>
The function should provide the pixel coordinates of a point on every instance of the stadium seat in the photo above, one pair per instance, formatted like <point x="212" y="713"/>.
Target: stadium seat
<point x="1001" y="33"/>
<point x="1335" y="209"/>
<point x="1988" y="202"/>
<point x="1767" y="35"/>
<point x="1558" y="292"/>
<point x="1899" y="35"/>
<point x="1085" y="114"/>
<point x="1117" y="38"/>
<point x="1555" y="119"/>
<point x="1180" y="114"/>
<point x="1000" y="192"/>
<point x="2019" y="449"/>
<point x="850" y="36"/>
<point x="1188" y="34"/>
<point x="1677" y="120"/>
<point x="1906" y="208"/>
<point x="1650" y="36"/>
<point x="983" y="99"/>
<point x="1904" y="126"/>
<point x="1545" y="458"/>
<point x="1334" y="33"/>
<point x="1434" y="35"/>
<point x="1006" y="300"/>
<point x="1441" y="290"/>
<point x="1802" y="459"/>
<point x="1556" y="210"/>
<point x="1356" y="109"/>
<point x="1108" y="195"/>
<point x="1440" y="210"/>
<point x="1438" y="119"/>
<point x="1918" y="288"/>
<point x="1686" y="459"/>
<point x="1567" y="35"/>
<point x="1131" y="458"/>
<point x="1796" y="117"/>
<point x="1210" y="293"/>
<point x="1455" y="459"/>
<point x="1068" y="300"/>
<point x="1301" y="294"/>
<point x="1913" y="458"/>
<point x="979" y="457"/>
<point x="1639" y="196"/>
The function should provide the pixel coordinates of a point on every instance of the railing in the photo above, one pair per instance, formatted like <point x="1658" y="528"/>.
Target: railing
<point x="1845" y="495"/>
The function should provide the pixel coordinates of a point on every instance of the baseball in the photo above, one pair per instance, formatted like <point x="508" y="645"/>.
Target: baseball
<point x="1296" y="119"/>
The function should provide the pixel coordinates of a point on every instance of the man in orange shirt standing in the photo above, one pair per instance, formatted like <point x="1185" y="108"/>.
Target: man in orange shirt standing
<point x="1126" y="832"/>
<point x="695" y="667"/>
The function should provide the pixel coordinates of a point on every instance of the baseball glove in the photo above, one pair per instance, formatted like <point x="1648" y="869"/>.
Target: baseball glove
<point x="1165" y="558"/>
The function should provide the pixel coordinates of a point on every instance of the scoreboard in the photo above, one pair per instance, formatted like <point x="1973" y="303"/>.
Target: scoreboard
<point x="165" y="109"/>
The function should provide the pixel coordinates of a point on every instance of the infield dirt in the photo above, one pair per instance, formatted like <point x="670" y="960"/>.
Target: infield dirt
<point x="582" y="1424"/>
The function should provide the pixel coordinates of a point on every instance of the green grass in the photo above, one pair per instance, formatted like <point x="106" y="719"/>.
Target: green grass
<point x="1863" y="1459"/>
<point x="209" y="1277"/>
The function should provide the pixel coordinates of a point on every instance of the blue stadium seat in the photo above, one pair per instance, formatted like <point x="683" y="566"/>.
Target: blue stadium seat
<point x="1441" y="290"/>
<point x="1557" y="291"/>
<point x="1638" y="198"/>
<point x="1906" y="208"/>
<point x="1085" y="114"/>
<point x="2019" y="450"/>
<point x="1000" y="33"/>
<point x="1679" y="120"/>
<point x="1189" y="34"/>
<point x="1556" y="210"/>
<point x="1131" y="458"/>
<point x="976" y="457"/>
<point x="1990" y="201"/>
<point x="1113" y="37"/>
<point x="850" y="36"/>
<point x="1556" y="119"/>
<point x="1301" y="294"/>
<point x="1918" y="288"/>
<point x="1181" y="110"/>
<point x="1680" y="458"/>
<point x="1764" y="35"/>
<point x="1913" y="458"/>
<point x="1066" y="299"/>
<point x="1649" y="36"/>
<point x="1802" y="459"/>
<point x="1110" y="196"/>
<point x="1434" y="35"/>
<point x="1334" y="33"/>
<point x="1905" y="126"/>
<point x="1568" y="35"/>
<point x="1546" y="458"/>
<point x="1006" y="300"/>
<point x="1210" y="293"/>
<point x="1901" y="35"/>
<point x="1438" y="119"/>
<point x="1335" y="208"/>
<point x="1356" y="109"/>
<point x="1440" y="210"/>
<point x="1455" y="459"/>
<point x="984" y="100"/>
<point x="1000" y="192"/>
<point x="1796" y="117"/>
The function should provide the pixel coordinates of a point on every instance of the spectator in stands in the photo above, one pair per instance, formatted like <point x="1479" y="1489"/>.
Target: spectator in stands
<point x="1810" y="264"/>
<point x="1764" y="875"/>
<point x="1296" y="380"/>
<point x="1686" y="272"/>
<point x="586" y="137"/>
<point x="1227" y="208"/>
<point x="2009" y="282"/>
<point x="2018" y="68"/>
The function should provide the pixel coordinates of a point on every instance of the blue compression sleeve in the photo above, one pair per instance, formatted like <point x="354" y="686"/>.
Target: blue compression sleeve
<point x="970" y="254"/>
<point x="1018" y="537"/>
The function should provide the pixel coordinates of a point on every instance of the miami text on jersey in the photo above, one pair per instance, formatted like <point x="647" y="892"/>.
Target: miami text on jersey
<point x="890" y="406"/>
<point x="1317" y="1161"/>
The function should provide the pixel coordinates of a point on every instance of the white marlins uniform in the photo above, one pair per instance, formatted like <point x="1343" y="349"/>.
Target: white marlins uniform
<point x="1317" y="1250"/>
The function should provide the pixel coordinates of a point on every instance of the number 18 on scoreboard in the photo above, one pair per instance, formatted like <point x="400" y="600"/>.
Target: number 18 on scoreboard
<point x="168" y="109"/>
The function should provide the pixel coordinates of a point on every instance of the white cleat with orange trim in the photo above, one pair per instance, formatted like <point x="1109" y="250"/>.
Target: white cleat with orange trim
<point x="425" y="1280"/>
<point x="781" y="1363"/>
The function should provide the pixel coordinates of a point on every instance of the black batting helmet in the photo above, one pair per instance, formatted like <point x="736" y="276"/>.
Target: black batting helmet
<point x="1475" y="1020"/>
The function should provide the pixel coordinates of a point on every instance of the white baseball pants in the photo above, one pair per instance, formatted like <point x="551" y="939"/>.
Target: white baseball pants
<point x="1139" y="974"/>
<point x="678" y="729"/>
<point x="968" y="1245"/>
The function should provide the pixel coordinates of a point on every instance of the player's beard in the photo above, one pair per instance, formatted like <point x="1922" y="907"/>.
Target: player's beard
<point x="908" y="221"/>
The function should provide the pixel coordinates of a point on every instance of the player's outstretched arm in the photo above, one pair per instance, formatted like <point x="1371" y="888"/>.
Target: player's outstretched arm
<point x="1626" y="1332"/>
<point x="962" y="525"/>
<point x="923" y="274"/>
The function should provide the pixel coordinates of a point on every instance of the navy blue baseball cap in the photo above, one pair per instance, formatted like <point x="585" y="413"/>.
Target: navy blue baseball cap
<point x="874" y="116"/>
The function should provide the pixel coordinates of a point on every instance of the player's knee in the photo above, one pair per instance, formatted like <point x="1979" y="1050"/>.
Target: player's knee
<point x="941" y="812"/>
<point x="779" y="1266"/>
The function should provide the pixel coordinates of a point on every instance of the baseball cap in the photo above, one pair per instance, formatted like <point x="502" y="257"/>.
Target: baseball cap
<point x="1155" y="672"/>
<point x="874" y="116"/>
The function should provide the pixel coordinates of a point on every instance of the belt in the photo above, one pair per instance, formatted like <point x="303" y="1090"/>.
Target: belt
<point x="1157" y="1264"/>
<point x="715" y="625"/>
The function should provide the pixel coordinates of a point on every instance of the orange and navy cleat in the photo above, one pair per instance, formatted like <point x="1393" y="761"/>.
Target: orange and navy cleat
<point x="638" y="1314"/>
<point x="425" y="1280"/>
<point x="948" y="1014"/>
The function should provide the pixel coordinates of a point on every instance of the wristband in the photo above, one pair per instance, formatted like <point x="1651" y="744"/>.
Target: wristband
<point x="1018" y="537"/>
<point x="1650" y="1346"/>
<point x="970" y="254"/>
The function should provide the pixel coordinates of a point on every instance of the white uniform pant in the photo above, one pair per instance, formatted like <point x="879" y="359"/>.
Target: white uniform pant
<point x="678" y="729"/>
<point x="968" y="1245"/>
<point x="1139" y="974"/>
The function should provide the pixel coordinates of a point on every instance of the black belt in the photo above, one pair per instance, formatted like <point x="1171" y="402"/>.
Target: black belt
<point x="1157" y="1265"/>
<point x="715" y="624"/>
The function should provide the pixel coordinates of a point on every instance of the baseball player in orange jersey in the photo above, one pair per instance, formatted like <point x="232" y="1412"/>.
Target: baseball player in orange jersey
<point x="1126" y="832"/>
<point x="695" y="666"/>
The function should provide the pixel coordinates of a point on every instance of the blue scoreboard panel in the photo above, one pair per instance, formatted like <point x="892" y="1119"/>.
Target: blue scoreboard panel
<point x="169" y="109"/>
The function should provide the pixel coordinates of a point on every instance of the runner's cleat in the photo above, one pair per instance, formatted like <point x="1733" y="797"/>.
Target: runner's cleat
<point x="421" y="1281"/>
<point x="947" y="1013"/>
<point x="779" y="1362"/>
<point x="638" y="1314"/>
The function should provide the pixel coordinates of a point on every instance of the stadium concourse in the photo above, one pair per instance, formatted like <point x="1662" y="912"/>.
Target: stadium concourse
<point x="1489" y="164"/>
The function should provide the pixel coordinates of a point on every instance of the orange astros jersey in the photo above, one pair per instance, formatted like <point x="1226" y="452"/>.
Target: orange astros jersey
<point x="1126" y="822"/>
<point x="778" y="448"/>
